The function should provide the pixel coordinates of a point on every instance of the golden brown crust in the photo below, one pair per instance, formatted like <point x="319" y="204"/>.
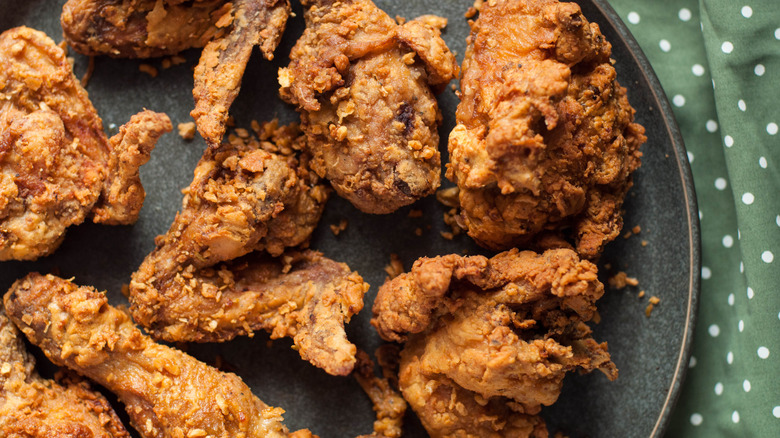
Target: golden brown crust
<point x="223" y="61"/>
<point x="545" y="137"/>
<point x="34" y="407"/>
<point x="123" y="195"/>
<point x="388" y="403"/>
<point x="490" y="340"/>
<point x="166" y="392"/>
<point x="245" y="197"/>
<point x="362" y="84"/>
<point x="142" y="28"/>
<point x="54" y="156"/>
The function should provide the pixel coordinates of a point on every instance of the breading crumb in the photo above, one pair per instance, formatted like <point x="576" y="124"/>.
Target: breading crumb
<point x="176" y="60"/>
<point x="148" y="69"/>
<point x="166" y="63"/>
<point x="636" y="230"/>
<point x="641" y="294"/>
<point x="621" y="280"/>
<point x="418" y="231"/>
<point x="338" y="228"/>
<point x="644" y="243"/>
<point x="649" y="310"/>
<point x="472" y="11"/>
<point x="395" y="268"/>
<point x="415" y="213"/>
<point x="448" y="196"/>
<point x="654" y="300"/>
<point x="88" y="74"/>
<point x="187" y="130"/>
<point x="447" y="235"/>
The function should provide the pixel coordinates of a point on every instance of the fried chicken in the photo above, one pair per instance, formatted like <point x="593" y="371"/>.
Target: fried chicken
<point x="34" y="407"/>
<point x="489" y="341"/>
<point x="223" y="61"/>
<point x="389" y="405"/>
<point x="166" y="392"/>
<point x="56" y="164"/>
<point x="545" y="142"/>
<point x="228" y="31"/>
<point x="244" y="198"/>
<point x="362" y="84"/>
<point x="143" y="28"/>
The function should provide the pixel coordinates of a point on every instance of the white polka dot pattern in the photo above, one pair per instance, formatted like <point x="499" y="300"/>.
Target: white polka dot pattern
<point x="723" y="91"/>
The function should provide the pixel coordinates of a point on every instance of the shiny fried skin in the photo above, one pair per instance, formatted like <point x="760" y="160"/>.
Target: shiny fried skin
<point x="505" y="330"/>
<point x="223" y="61"/>
<point x="141" y="28"/>
<point x="166" y="392"/>
<point x="247" y="198"/>
<point x="34" y="407"/>
<point x="55" y="159"/>
<point x="362" y="84"/>
<point x="301" y="295"/>
<point x="545" y="141"/>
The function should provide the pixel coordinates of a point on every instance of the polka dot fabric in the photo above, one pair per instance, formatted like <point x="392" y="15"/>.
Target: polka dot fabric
<point x="719" y="63"/>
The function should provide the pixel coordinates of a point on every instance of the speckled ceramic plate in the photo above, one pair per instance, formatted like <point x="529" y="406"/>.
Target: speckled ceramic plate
<point x="652" y="353"/>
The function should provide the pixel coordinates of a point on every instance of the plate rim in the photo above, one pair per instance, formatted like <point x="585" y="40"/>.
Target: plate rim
<point x="691" y="208"/>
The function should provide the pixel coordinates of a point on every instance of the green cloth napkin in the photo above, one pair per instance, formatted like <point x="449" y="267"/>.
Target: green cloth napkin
<point x="719" y="63"/>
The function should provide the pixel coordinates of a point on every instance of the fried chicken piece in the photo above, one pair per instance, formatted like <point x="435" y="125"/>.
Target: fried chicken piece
<point x="301" y="295"/>
<point x="223" y="61"/>
<point x="228" y="31"/>
<point x="34" y="407"/>
<point x="123" y="195"/>
<point x="362" y="84"/>
<point x="490" y="340"/>
<point x="56" y="164"/>
<point x="245" y="198"/>
<point x="545" y="140"/>
<point x="143" y="28"/>
<point x="167" y="393"/>
<point x="389" y="405"/>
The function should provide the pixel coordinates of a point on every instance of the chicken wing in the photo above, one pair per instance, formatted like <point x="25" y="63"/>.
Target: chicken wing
<point x="56" y="164"/>
<point x="545" y="141"/>
<point x="228" y="31"/>
<point x="34" y="407"/>
<point x="166" y="392"/>
<point x="362" y="84"/>
<point x="223" y="61"/>
<point x="489" y="341"/>
<point x="250" y="197"/>
<point x="389" y="405"/>
<point x="143" y="28"/>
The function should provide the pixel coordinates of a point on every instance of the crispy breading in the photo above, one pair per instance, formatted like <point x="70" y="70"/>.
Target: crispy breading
<point x="228" y="31"/>
<point x="142" y="28"/>
<point x="489" y="341"/>
<point x="545" y="141"/>
<point x="250" y="196"/>
<point x="362" y="84"/>
<point x="223" y="61"/>
<point x="389" y="405"/>
<point x="56" y="163"/>
<point x="166" y="392"/>
<point x="34" y="407"/>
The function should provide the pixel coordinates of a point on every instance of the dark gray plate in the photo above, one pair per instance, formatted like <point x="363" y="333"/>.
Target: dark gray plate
<point x="652" y="353"/>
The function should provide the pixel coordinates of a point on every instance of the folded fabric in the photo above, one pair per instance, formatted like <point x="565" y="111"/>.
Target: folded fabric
<point x="719" y="63"/>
